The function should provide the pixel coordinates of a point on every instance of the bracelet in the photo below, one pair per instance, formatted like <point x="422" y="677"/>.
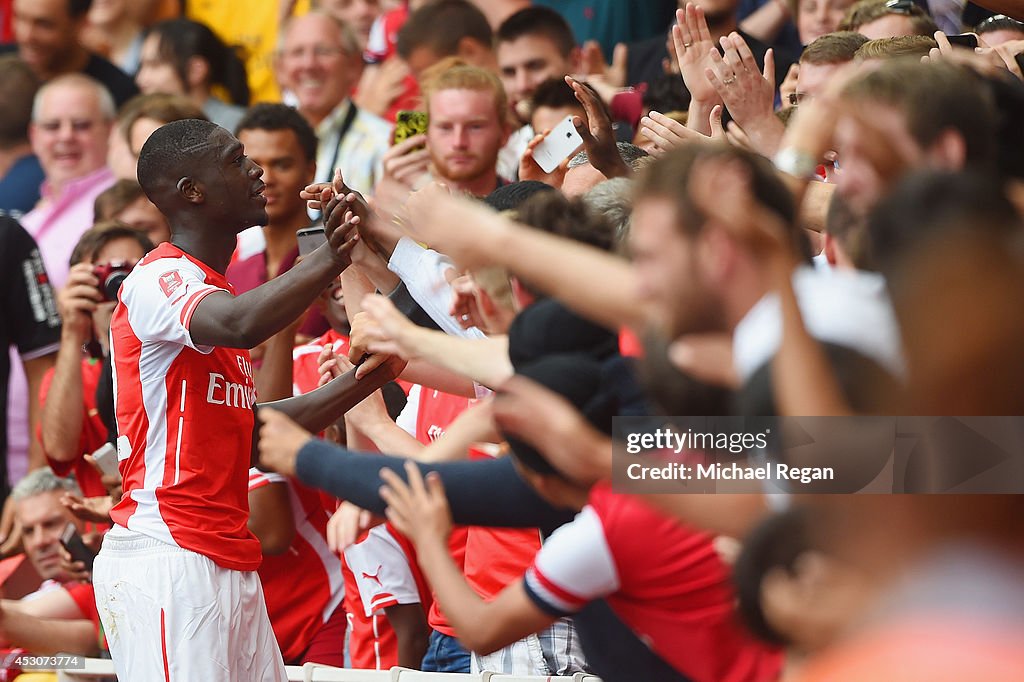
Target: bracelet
<point x="796" y="163"/>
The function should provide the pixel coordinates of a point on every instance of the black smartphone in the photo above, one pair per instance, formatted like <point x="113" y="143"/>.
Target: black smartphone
<point x="310" y="238"/>
<point x="76" y="547"/>
<point x="968" y="40"/>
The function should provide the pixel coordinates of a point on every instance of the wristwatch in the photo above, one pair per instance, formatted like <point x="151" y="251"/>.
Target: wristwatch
<point x="796" y="163"/>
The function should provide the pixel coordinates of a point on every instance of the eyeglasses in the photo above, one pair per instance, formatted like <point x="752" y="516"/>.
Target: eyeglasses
<point x="319" y="51"/>
<point x="900" y="6"/>
<point x="78" y="125"/>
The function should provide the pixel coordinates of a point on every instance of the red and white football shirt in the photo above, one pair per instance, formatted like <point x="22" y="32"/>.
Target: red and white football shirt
<point x="305" y="368"/>
<point x="436" y="410"/>
<point x="303" y="586"/>
<point x="664" y="580"/>
<point x="380" y="571"/>
<point x="92" y="435"/>
<point x="497" y="557"/>
<point x="184" y="415"/>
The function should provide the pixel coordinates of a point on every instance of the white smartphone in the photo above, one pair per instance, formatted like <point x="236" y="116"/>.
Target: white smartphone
<point x="561" y="143"/>
<point x="106" y="459"/>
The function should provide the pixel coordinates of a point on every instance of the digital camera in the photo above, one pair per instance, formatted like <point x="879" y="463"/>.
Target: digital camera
<point x="111" y="275"/>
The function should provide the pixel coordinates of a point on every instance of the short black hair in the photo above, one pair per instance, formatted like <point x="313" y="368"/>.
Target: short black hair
<point x="441" y="25"/>
<point x="579" y="379"/>
<point x="269" y="116"/>
<point x="542" y="21"/>
<point x="18" y="87"/>
<point x="78" y="8"/>
<point x="556" y="94"/>
<point x="777" y="542"/>
<point x="511" y="196"/>
<point x="170" y="152"/>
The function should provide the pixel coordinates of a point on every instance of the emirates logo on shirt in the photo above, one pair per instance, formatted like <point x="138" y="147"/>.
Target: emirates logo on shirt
<point x="223" y="392"/>
<point x="169" y="282"/>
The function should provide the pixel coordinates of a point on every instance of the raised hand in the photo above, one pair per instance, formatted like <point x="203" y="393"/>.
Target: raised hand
<point x="280" y="441"/>
<point x="418" y="509"/>
<point x="748" y="93"/>
<point x="77" y="301"/>
<point x="597" y="133"/>
<point x="529" y="169"/>
<point x="666" y="133"/>
<point x="693" y="46"/>
<point x="613" y="74"/>
<point x="743" y="215"/>
<point x="408" y="161"/>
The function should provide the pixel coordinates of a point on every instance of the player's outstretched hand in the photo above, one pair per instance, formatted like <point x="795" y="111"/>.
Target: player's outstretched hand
<point x="280" y="441"/>
<point x="417" y="509"/>
<point x="341" y="230"/>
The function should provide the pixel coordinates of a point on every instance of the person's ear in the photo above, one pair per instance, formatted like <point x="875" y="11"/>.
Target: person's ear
<point x="716" y="251"/>
<point x="949" y="151"/>
<point x="828" y="248"/>
<point x="471" y="51"/>
<point x="197" y="73"/>
<point x="191" y="190"/>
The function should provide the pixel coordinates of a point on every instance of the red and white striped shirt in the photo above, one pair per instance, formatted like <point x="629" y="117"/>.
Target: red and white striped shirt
<point x="184" y="415"/>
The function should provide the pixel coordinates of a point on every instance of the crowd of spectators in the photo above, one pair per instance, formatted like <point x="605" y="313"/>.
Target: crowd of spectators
<point x="792" y="208"/>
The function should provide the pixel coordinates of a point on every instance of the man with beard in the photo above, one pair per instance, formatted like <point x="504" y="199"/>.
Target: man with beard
<point x="467" y="109"/>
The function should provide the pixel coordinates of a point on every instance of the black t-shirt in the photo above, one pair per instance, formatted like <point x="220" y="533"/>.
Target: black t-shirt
<point x="120" y="85"/>
<point x="28" y="314"/>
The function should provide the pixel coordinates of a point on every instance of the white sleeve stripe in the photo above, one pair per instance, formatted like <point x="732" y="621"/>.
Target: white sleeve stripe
<point x="577" y="561"/>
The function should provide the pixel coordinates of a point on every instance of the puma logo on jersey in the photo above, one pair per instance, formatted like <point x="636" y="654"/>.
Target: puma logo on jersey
<point x="373" y="577"/>
<point x="224" y="392"/>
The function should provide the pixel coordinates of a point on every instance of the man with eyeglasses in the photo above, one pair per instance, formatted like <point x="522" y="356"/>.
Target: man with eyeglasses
<point x="71" y="120"/>
<point x="319" y="63"/>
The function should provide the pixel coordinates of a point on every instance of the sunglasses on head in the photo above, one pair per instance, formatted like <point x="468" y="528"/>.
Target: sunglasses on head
<point x="1000" y="19"/>
<point x="900" y="6"/>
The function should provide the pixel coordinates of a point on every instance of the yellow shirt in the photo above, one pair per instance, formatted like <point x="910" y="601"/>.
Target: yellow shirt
<point x="253" y="25"/>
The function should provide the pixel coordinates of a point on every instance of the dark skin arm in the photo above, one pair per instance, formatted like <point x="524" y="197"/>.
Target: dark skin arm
<point x="250" y="319"/>
<point x="319" y="409"/>
<point x="270" y="518"/>
<point x="412" y="632"/>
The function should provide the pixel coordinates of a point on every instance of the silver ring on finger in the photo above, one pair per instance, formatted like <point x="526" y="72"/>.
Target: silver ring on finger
<point x="729" y="81"/>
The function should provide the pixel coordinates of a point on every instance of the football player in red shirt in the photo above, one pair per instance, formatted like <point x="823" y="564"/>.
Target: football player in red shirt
<point x="175" y="581"/>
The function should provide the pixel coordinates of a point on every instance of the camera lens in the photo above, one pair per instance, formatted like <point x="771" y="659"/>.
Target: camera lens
<point x="113" y="284"/>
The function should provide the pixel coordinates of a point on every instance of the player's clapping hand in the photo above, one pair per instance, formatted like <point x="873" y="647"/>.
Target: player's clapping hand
<point x="280" y="441"/>
<point x="417" y="509"/>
